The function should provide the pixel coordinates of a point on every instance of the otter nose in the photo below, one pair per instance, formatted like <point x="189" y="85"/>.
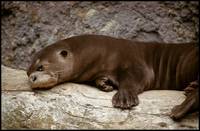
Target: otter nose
<point x="33" y="78"/>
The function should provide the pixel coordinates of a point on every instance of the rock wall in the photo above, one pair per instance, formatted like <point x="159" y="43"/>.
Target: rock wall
<point x="75" y="106"/>
<point x="29" y="26"/>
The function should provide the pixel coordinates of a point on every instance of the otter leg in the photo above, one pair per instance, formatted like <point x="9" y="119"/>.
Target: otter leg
<point x="106" y="83"/>
<point x="126" y="97"/>
<point x="190" y="104"/>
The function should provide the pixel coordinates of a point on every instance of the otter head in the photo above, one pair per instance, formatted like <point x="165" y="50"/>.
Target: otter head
<point x="50" y="66"/>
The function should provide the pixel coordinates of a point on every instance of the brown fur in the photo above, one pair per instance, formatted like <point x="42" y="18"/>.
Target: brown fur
<point x="129" y="66"/>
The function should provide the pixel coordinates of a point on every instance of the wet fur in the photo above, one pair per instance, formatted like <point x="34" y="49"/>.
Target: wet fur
<point x="132" y="67"/>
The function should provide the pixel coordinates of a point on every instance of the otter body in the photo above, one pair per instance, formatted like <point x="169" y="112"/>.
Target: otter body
<point x="130" y="67"/>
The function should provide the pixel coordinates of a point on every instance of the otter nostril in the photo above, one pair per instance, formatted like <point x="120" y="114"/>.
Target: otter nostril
<point x="34" y="78"/>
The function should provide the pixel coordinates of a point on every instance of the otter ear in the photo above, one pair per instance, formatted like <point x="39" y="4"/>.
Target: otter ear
<point x="64" y="53"/>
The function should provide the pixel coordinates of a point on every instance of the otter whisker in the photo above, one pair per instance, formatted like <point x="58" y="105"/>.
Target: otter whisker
<point x="60" y="71"/>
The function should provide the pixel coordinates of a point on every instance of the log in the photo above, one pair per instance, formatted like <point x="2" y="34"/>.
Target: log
<point x="79" y="106"/>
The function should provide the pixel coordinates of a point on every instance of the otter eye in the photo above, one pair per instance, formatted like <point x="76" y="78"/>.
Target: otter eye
<point x="40" y="68"/>
<point x="64" y="53"/>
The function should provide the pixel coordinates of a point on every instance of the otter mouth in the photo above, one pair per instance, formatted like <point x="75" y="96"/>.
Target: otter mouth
<point x="43" y="79"/>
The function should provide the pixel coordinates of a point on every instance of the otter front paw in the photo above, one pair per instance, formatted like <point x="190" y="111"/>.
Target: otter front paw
<point x="105" y="84"/>
<point x="125" y="99"/>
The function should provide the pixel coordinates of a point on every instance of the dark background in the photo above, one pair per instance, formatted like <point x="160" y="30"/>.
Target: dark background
<point x="26" y="27"/>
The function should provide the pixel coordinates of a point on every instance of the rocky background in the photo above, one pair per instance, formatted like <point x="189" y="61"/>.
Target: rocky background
<point x="26" y="27"/>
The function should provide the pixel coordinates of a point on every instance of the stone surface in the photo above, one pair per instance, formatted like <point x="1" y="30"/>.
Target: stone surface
<point x="75" y="106"/>
<point x="29" y="26"/>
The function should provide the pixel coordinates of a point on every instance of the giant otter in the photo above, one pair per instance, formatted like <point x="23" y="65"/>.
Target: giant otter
<point x="131" y="67"/>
